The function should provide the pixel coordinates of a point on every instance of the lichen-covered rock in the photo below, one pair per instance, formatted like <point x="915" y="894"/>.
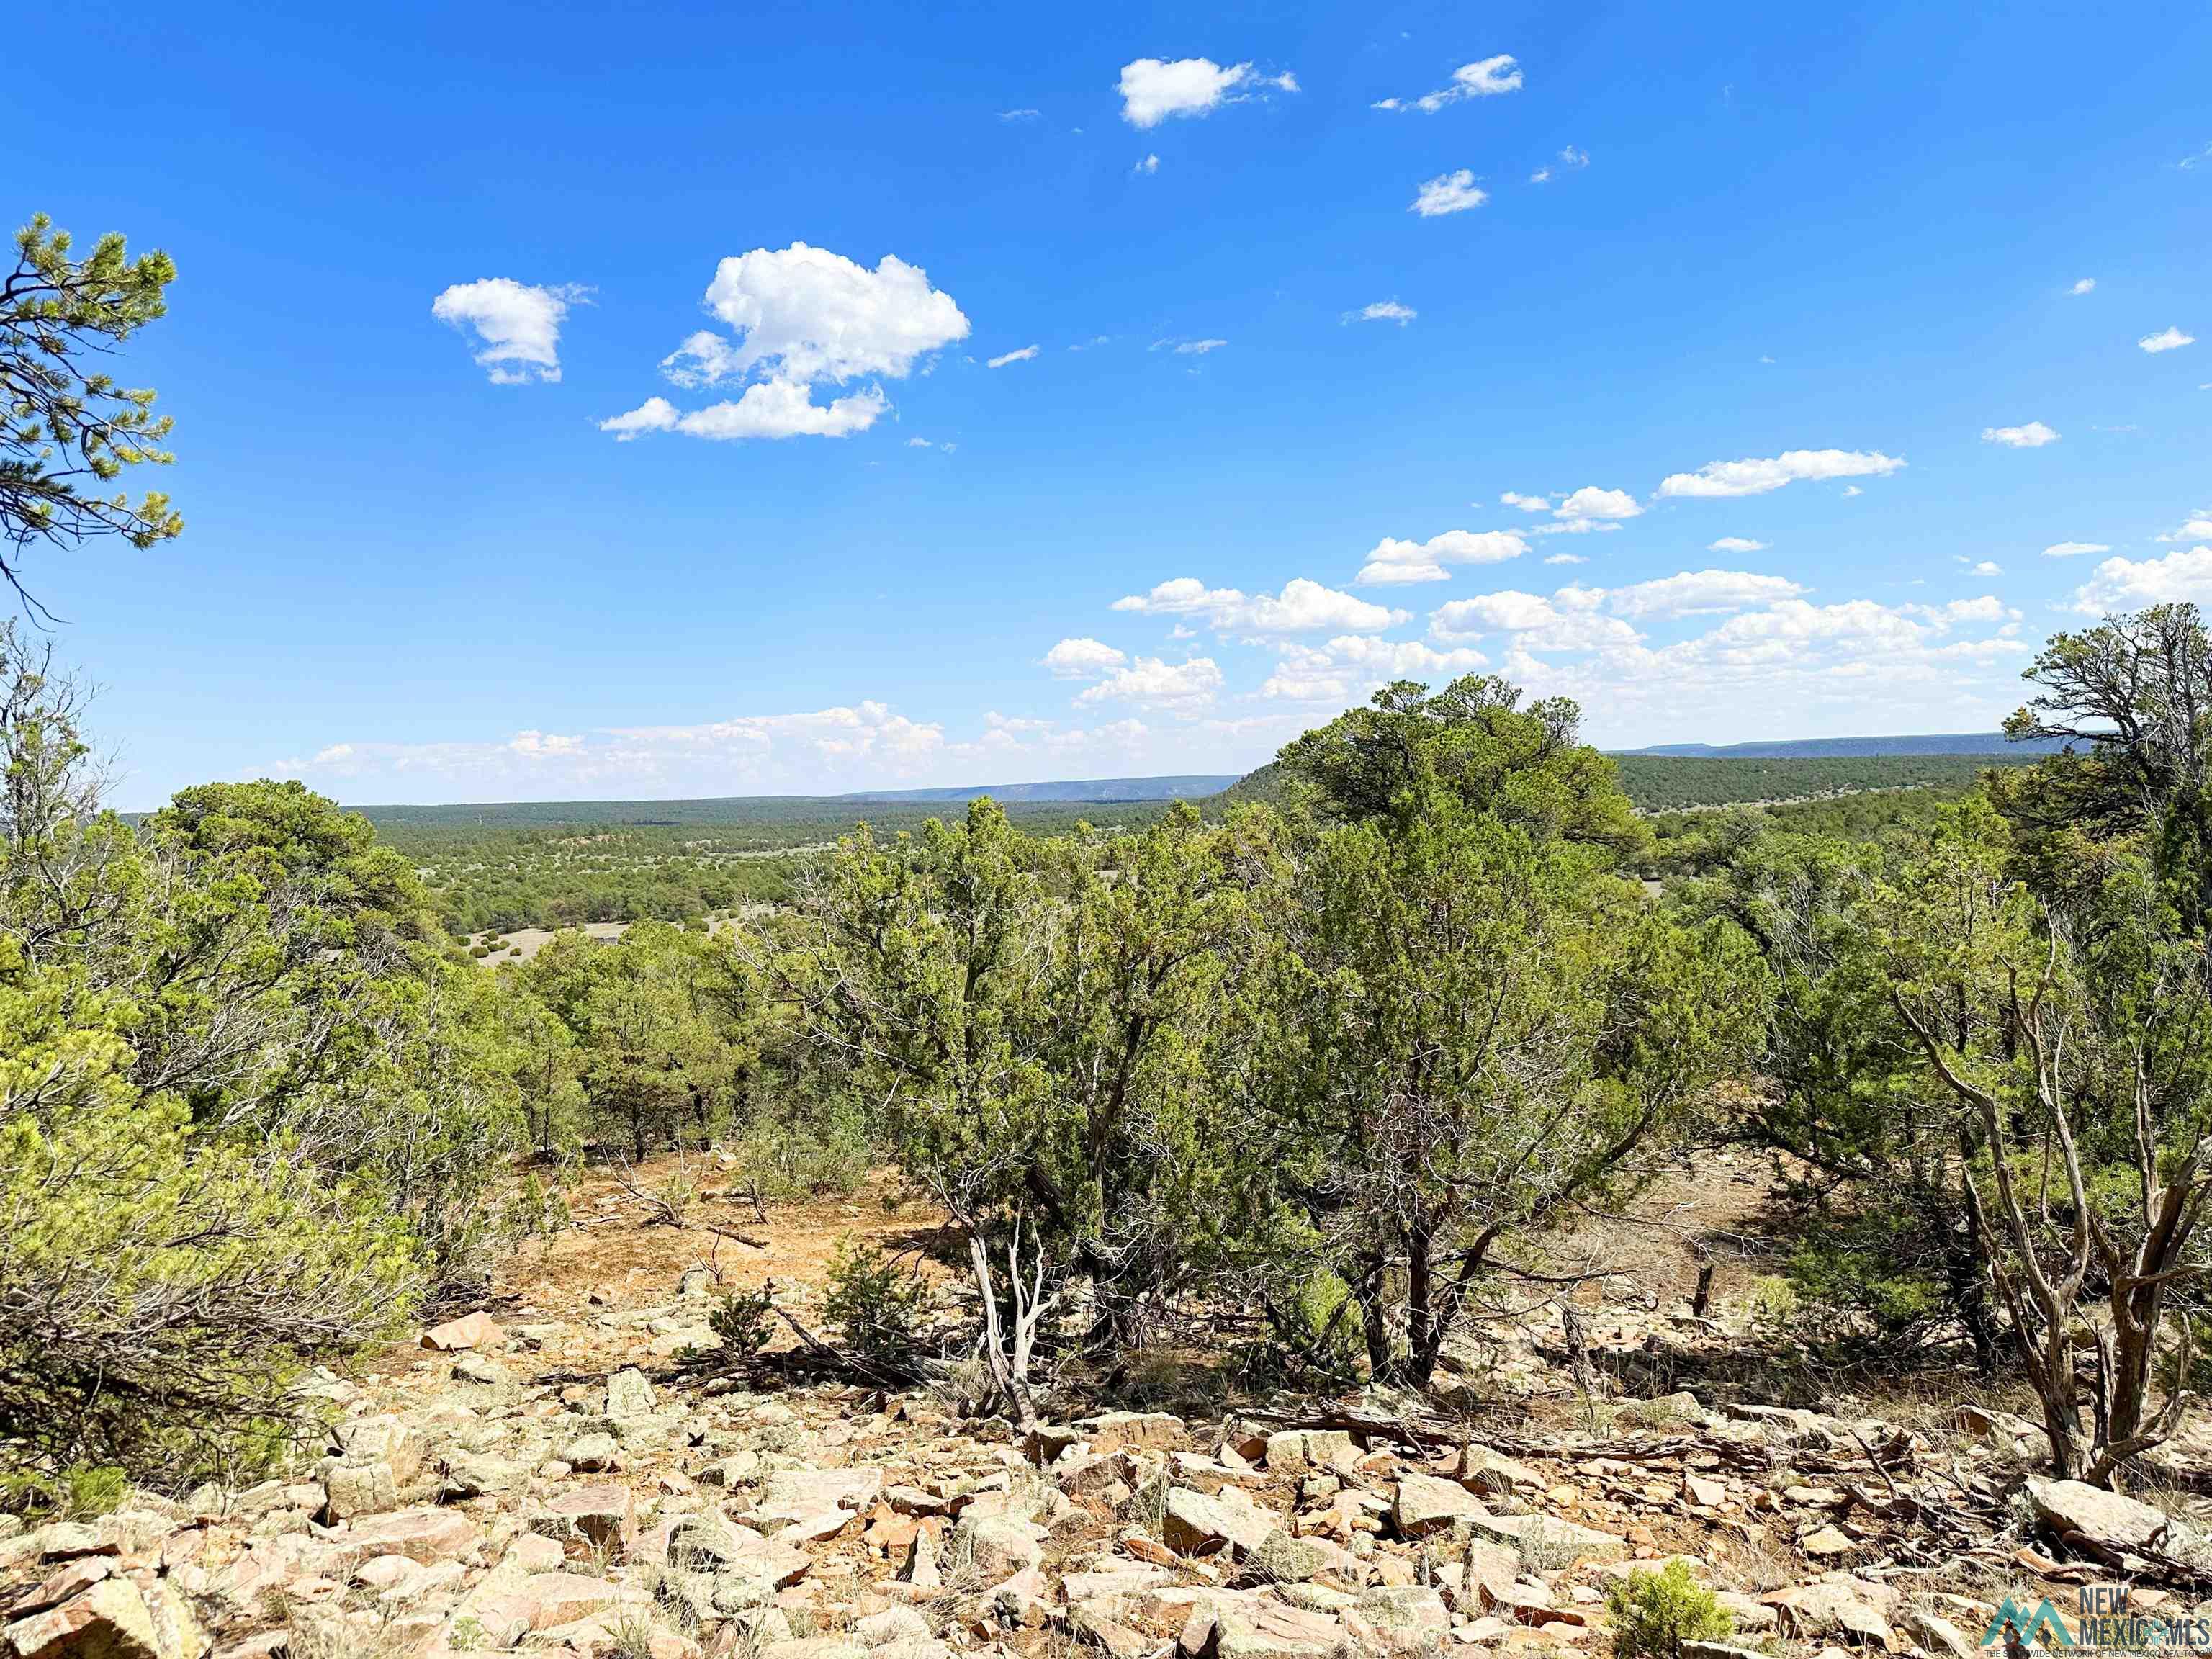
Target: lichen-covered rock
<point x="629" y="1395"/>
<point x="108" y="1621"/>
<point x="2090" y="1513"/>
<point x="1294" y="1451"/>
<point x="604" y="1514"/>
<point x="1426" y="1504"/>
<point x="1196" y="1524"/>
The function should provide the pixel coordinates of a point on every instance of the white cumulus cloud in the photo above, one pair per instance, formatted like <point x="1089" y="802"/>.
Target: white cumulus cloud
<point x="1736" y="544"/>
<point x="766" y="409"/>
<point x="1591" y="503"/>
<point x="2170" y="339"/>
<point x="2034" y="435"/>
<point x="1394" y="559"/>
<point x="1083" y="658"/>
<point x="2086" y="285"/>
<point x="517" y="325"/>
<point x="1448" y="192"/>
<point x="805" y="313"/>
<point x="1694" y="593"/>
<point x="1538" y="625"/>
<point x="1345" y="670"/>
<point x="1022" y="355"/>
<point x="803" y="317"/>
<point x="2076" y="550"/>
<point x="1152" y="89"/>
<point x="2132" y="584"/>
<point x="1303" y="607"/>
<point x="1150" y="682"/>
<point x="1755" y="476"/>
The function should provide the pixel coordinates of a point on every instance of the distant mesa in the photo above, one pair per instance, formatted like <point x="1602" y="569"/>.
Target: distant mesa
<point x="1195" y="786"/>
<point x="1936" y="743"/>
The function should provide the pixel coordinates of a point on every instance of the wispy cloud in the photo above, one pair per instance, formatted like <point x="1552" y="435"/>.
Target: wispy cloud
<point x="1448" y="192"/>
<point x="1571" y="160"/>
<point x="1486" y="79"/>
<point x="1756" y="476"/>
<point x="1383" y="311"/>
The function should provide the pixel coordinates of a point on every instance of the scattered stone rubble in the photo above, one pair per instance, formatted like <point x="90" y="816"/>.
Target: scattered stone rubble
<point x="554" y="1487"/>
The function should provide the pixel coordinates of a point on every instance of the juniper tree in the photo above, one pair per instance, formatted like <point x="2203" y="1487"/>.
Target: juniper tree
<point x="1478" y="1021"/>
<point x="1043" y="1024"/>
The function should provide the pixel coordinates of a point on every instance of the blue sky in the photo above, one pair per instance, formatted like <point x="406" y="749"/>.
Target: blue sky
<point x="1220" y="501"/>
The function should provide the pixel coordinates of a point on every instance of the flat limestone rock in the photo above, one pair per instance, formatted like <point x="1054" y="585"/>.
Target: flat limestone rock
<point x="800" y="1494"/>
<point x="2100" y="1517"/>
<point x="1294" y="1451"/>
<point x="424" y="1535"/>
<point x="476" y="1330"/>
<point x="629" y="1395"/>
<point x="1195" y="1522"/>
<point x="108" y="1621"/>
<point x="1113" y="1432"/>
<point x="1832" y="1607"/>
<point x="1221" y="1628"/>
<point x="599" y="1514"/>
<point x="1429" y="1503"/>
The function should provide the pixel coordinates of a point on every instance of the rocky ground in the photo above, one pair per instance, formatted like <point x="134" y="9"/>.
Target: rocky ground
<point x="555" y="1476"/>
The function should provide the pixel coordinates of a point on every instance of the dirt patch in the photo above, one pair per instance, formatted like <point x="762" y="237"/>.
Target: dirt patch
<point x="613" y="1252"/>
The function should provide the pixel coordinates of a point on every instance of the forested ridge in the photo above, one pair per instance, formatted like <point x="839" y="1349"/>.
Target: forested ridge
<point x="495" y="868"/>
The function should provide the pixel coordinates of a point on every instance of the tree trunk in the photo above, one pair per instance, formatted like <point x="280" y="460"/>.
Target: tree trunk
<point x="1577" y="1349"/>
<point x="1008" y="1352"/>
<point x="1374" y="1321"/>
<point x="1425" y="1319"/>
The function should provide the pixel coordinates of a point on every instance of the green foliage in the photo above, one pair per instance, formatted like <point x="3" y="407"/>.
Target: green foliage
<point x="1668" y="783"/>
<point x="1476" y="1021"/>
<point x="561" y="865"/>
<point x="1655" y="1612"/>
<point x="66" y="434"/>
<point x="74" y="1491"/>
<point x="648" y="1038"/>
<point x="877" y="1303"/>
<point x="1472" y="742"/>
<point x="744" y="1321"/>
<point x="1048" y="1025"/>
<point x="155" y="1280"/>
<point x="794" y="1147"/>
<point x="251" y="1108"/>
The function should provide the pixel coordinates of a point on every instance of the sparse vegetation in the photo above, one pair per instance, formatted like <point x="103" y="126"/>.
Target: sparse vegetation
<point x="1655" y="1612"/>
